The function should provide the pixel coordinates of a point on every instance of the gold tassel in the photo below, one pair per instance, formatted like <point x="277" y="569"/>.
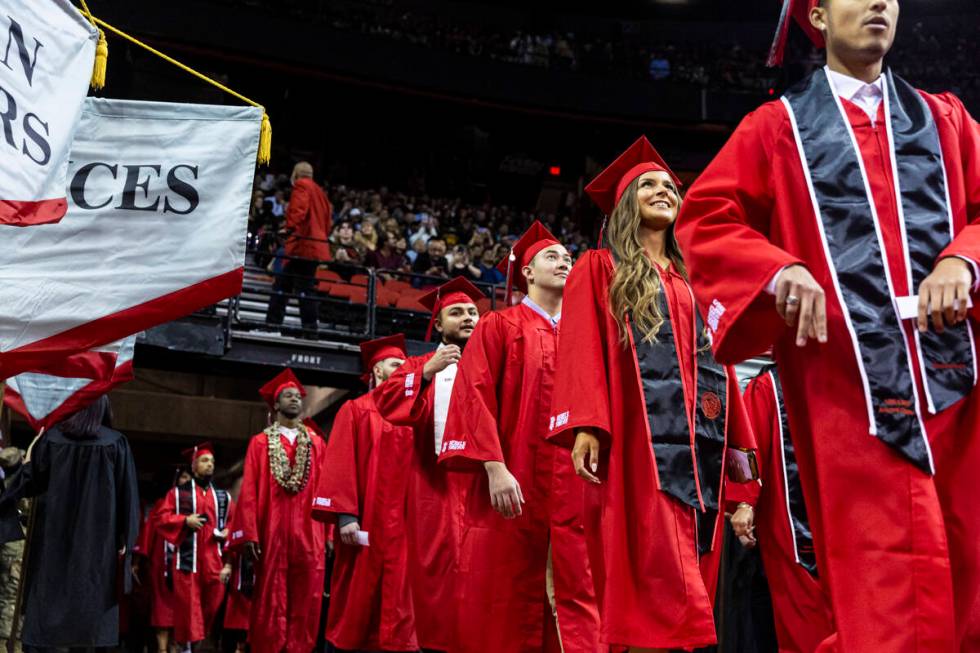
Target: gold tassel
<point x="98" y="68"/>
<point x="265" y="140"/>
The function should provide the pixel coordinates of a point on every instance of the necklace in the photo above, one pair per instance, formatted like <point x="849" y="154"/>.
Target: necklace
<point x="291" y="478"/>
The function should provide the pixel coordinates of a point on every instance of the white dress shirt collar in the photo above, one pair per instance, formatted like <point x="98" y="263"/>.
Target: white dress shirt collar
<point x="553" y="321"/>
<point x="865" y="95"/>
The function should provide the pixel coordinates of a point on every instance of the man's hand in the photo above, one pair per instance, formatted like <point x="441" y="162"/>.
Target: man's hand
<point x="443" y="358"/>
<point x="585" y="456"/>
<point x="801" y="302"/>
<point x="221" y="535"/>
<point x="505" y="492"/>
<point x="253" y="551"/>
<point x="225" y="574"/>
<point x="194" y="522"/>
<point x="944" y="293"/>
<point x="743" y="523"/>
<point x="348" y="533"/>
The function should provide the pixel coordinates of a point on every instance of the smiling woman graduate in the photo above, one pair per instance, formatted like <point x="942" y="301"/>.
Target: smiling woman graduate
<point x="648" y="410"/>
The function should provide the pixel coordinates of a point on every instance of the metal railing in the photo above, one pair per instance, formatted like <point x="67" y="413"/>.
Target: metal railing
<point x="350" y="302"/>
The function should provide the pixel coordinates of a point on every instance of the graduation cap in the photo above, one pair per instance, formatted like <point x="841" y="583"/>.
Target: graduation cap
<point x="455" y="291"/>
<point x="379" y="349"/>
<point x="286" y="379"/>
<point x="196" y="452"/>
<point x="536" y="238"/>
<point x="798" y="10"/>
<point x="609" y="185"/>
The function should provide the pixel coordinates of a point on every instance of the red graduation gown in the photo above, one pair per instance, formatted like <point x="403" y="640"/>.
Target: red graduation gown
<point x="433" y="503"/>
<point x="151" y="546"/>
<point x="365" y="474"/>
<point x="898" y="550"/>
<point x="800" y="607"/>
<point x="197" y="595"/>
<point x="499" y="412"/>
<point x="642" y="543"/>
<point x="238" y="609"/>
<point x="289" y="574"/>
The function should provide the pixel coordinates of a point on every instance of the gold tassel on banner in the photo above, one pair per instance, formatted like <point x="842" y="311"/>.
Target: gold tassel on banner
<point x="265" y="140"/>
<point x="98" y="69"/>
<point x="264" y="154"/>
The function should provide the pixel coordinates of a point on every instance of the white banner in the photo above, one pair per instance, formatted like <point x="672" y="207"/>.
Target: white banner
<point x="156" y="226"/>
<point x="44" y="399"/>
<point x="47" y="49"/>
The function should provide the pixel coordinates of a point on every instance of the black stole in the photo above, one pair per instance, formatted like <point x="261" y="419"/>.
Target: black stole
<point x="848" y="222"/>
<point x="187" y="505"/>
<point x="689" y="472"/>
<point x="799" y="523"/>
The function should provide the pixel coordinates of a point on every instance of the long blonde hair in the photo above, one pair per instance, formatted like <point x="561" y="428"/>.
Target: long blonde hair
<point x="635" y="286"/>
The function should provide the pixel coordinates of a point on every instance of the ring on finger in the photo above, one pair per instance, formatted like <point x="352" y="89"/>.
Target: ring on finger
<point x="792" y="300"/>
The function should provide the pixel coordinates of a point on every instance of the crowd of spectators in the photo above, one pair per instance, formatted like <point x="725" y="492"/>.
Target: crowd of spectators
<point x="939" y="53"/>
<point x="404" y="233"/>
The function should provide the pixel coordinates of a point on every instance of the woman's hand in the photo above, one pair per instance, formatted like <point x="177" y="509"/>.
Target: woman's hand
<point x="585" y="455"/>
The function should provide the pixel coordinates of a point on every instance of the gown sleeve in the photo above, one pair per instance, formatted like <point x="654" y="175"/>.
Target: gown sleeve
<point x="723" y="229"/>
<point x="742" y="436"/>
<point x="246" y="523"/>
<point x="402" y="399"/>
<point x="967" y="241"/>
<point x="472" y="436"/>
<point x="338" y="488"/>
<point x="581" y="393"/>
<point x="127" y="508"/>
<point x="169" y="524"/>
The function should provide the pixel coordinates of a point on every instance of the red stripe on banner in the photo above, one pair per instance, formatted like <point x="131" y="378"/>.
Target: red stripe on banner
<point x="16" y="213"/>
<point x="46" y="355"/>
<point x="93" y="365"/>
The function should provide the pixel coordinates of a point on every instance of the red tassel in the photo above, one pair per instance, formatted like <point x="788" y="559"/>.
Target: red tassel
<point x="778" y="48"/>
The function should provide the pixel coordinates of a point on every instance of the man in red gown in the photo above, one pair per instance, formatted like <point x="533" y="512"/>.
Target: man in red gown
<point x="417" y="395"/>
<point x="842" y="224"/>
<point x="157" y="570"/>
<point x="276" y="528"/>
<point x="194" y="517"/>
<point x="522" y="531"/>
<point x="363" y="487"/>
<point x="782" y="527"/>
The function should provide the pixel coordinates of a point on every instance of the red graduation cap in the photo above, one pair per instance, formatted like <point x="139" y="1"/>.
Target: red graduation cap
<point x="536" y="238"/>
<point x="196" y="452"/>
<point x="455" y="291"/>
<point x="799" y="10"/>
<point x="608" y="187"/>
<point x="286" y="379"/>
<point x="379" y="349"/>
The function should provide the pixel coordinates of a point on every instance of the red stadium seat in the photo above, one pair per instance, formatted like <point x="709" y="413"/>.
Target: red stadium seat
<point x="397" y="285"/>
<point x="357" y="294"/>
<point x="410" y="302"/>
<point x="385" y="297"/>
<point x="359" y="280"/>
<point x="327" y="275"/>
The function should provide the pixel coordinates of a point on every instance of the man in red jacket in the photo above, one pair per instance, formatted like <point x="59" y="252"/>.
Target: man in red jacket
<point x="307" y="228"/>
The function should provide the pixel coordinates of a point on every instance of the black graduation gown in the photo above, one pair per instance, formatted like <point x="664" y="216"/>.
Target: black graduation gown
<point x="87" y="510"/>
